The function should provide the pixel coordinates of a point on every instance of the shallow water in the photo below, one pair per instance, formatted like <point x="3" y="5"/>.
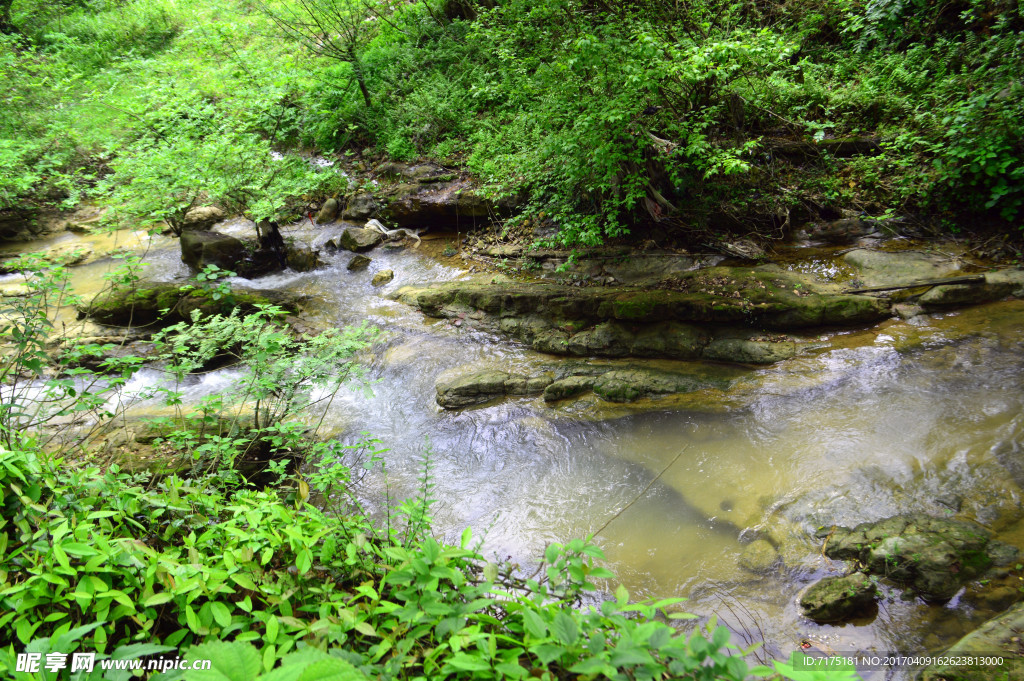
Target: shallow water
<point x="908" y="416"/>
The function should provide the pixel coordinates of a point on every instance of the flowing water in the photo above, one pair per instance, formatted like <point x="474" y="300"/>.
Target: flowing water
<point x="921" y="415"/>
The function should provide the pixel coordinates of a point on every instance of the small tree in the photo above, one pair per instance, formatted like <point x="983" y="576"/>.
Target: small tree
<point x="337" y="29"/>
<point x="164" y="179"/>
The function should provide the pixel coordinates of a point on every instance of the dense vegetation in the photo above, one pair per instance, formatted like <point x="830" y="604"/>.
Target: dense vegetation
<point x="653" y="117"/>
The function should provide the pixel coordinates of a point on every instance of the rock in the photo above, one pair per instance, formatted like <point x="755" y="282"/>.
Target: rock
<point x="202" y="218"/>
<point x="842" y="231"/>
<point x="165" y="304"/>
<point x="932" y="556"/>
<point x="202" y="248"/>
<point x="951" y="295"/>
<point x="456" y="390"/>
<point x="768" y="298"/>
<point x="1015" y="278"/>
<point x="907" y="310"/>
<point x="834" y="599"/>
<point x="759" y="556"/>
<point x="998" y="637"/>
<point x="749" y="351"/>
<point x="328" y="212"/>
<point x="68" y="255"/>
<point x="879" y="268"/>
<point x="382" y="277"/>
<point x="568" y="387"/>
<point x="358" y="262"/>
<point x="76" y="227"/>
<point x="362" y="206"/>
<point x="301" y="257"/>
<point x="358" y="239"/>
<point x="745" y="249"/>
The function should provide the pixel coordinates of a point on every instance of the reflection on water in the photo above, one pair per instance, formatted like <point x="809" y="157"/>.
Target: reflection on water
<point x="923" y="415"/>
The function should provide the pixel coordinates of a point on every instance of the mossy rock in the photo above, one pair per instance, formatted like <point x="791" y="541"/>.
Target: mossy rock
<point x="934" y="557"/>
<point x="166" y="304"/>
<point x="834" y="599"/>
<point x="999" y="637"/>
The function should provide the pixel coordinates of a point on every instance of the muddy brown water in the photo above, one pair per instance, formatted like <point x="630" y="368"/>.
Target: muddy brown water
<point x="919" y="415"/>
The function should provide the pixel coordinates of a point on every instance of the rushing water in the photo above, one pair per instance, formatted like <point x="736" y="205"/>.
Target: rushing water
<point x="924" y="415"/>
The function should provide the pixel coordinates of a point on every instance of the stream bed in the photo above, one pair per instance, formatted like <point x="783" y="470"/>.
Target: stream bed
<point x="923" y="415"/>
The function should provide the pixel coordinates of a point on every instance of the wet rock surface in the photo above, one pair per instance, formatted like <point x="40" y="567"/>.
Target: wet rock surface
<point x="931" y="557"/>
<point x="358" y="239"/>
<point x="201" y="248"/>
<point x="999" y="637"/>
<point x="711" y="314"/>
<point x="834" y="599"/>
<point x="165" y="304"/>
<point x="465" y="386"/>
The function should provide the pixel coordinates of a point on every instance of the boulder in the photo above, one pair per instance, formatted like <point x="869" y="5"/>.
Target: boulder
<point x="999" y="637"/>
<point x="362" y="206"/>
<point x="383" y="277"/>
<point x="301" y="257"/>
<point x="328" y="212"/>
<point x="358" y="262"/>
<point x="202" y="248"/>
<point x="358" y="239"/>
<point x="934" y="557"/>
<point x="834" y="599"/>
<point x="202" y="218"/>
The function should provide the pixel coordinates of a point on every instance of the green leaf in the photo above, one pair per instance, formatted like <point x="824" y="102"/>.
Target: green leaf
<point x="565" y="629"/>
<point x="230" y="661"/>
<point x="221" y="614"/>
<point x="534" y="625"/>
<point x="332" y="669"/>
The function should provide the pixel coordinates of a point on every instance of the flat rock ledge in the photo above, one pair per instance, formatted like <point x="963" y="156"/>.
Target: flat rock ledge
<point x="468" y="386"/>
<point x="723" y="314"/>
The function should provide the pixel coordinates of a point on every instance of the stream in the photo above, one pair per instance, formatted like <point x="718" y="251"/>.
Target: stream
<point x="918" y="415"/>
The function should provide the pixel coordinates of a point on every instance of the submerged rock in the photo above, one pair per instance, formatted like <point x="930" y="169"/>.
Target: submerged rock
<point x="999" y="637"/>
<point x="934" y="557"/>
<point x="759" y="556"/>
<point x="834" y="599"/>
